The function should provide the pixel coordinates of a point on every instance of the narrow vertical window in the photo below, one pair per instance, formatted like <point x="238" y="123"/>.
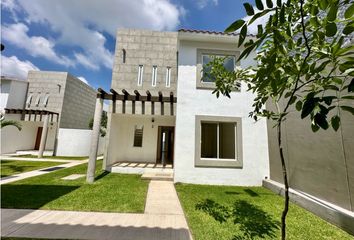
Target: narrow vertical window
<point x="29" y="100"/>
<point x="168" y="76"/>
<point x="138" y="136"/>
<point x="46" y="98"/>
<point x="124" y="54"/>
<point x="140" y="75"/>
<point x="154" y="76"/>
<point x="38" y="99"/>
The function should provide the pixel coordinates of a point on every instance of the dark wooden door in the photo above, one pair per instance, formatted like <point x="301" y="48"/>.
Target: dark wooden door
<point x="38" y="138"/>
<point x="165" y="145"/>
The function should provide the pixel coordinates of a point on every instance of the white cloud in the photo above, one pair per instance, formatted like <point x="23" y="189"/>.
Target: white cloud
<point x="81" y="23"/>
<point x="203" y="3"/>
<point x="12" y="66"/>
<point x="36" y="46"/>
<point x="83" y="80"/>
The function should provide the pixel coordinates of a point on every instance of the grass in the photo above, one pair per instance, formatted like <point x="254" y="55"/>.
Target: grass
<point x="11" y="167"/>
<point x="225" y="212"/>
<point x="110" y="192"/>
<point x="54" y="157"/>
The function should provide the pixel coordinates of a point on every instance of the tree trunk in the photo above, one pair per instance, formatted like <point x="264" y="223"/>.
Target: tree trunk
<point x="286" y="184"/>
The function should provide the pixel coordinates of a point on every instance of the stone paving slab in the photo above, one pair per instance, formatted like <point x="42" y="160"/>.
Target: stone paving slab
<point x="73" y="176"/>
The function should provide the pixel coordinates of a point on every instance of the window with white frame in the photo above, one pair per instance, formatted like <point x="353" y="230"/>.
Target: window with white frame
<point x="46" y="99"/>
<point x="29" y="100"/>
<point x="38" y="99"/>
<point x="154" y="76"/>
<point x="218" y="141"/>
<point x="168" y="76"/>
<point x="138" y="136"/>
<point x="140" y="74"/>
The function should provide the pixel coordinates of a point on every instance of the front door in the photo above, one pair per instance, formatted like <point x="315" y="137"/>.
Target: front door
<point x="38" y="138"/>
<point x="165" y="145"/>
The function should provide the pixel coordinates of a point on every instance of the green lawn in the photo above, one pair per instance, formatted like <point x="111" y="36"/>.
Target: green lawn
<point x="11" y="167"/>
<point x="235" y="213"/>
<point x="54" y="157"/>
<point x="110" y="192"/>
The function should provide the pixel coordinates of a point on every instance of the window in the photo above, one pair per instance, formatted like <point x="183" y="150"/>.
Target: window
<point x="138" y="136"/>
<point x="45" y="101"/>
<point x="229" y="64"/>
<point x="218" y="141"/>
<point x="154" y="76"/>
<point x="29" y="100"/>
<point x="140" y="75"/>
<point x="168" y="76"/>
<point x="124" y="54"/>
<point x="205" y="56"/>
<point x="38" y="99"/>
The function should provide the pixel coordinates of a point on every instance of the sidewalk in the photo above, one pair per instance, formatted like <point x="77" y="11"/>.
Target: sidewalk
<point x="163" y="219"/>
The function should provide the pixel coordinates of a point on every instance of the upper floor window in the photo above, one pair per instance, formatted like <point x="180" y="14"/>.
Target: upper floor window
<point x="168" y="76"/>
<point x="46" y="99"/>
<point x="205" y="56"/>
<point x="138" y="136"/>
<point x="29" y="100"/>
<point x="140" y="75"/>
<point x="124" y="54"/>
<point x="38" y="99"/>
<point x="154" y="76"/>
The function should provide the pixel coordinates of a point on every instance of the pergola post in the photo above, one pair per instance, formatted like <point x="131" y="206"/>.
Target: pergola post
<point x="90" y="177"/>
<point x="43" y="136"/>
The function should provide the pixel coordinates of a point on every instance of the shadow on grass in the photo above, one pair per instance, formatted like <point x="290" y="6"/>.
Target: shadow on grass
<point x="253" y="222"/>
<point x="103" y="174"/>
<point x="31" y="196"/>
<point x="251" y="192"/>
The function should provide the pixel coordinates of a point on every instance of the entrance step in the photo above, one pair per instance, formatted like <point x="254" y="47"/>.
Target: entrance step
<point x="160" y="176"/>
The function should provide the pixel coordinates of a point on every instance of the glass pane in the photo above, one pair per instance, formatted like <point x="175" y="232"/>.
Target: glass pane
<point x="209" y="140"/>
<point x="229" y="63"/>
<point x="227" y="140"/>
<point x="206" y="69"/>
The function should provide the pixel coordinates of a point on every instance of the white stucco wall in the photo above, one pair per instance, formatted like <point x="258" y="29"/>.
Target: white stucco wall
<point x="192" y="102"/>
<point x="13" y="140"/>
<point x="122" y="137"/>
<point x="13" y="93"/>
<point x="76" y="142"/>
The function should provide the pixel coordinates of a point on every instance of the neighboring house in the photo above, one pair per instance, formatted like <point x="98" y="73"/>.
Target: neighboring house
<point x="67" y="101"/>
<point x="164" y="112"/>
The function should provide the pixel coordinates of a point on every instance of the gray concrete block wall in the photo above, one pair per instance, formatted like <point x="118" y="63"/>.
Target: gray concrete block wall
<point x="52" y="83"/>
<point x="147" y="48"/>
<point x="79" y="104"/>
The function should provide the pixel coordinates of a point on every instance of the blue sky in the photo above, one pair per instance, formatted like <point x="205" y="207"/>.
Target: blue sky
<point x="78" y="36"/>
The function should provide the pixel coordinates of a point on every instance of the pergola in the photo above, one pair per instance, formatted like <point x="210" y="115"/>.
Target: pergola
<point x="37" y="114"/>
<point x="124" y="97"/>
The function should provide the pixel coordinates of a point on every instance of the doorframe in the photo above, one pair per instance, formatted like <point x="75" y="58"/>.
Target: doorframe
<point x="38" y="138"/>
<point x="158" y="147"/>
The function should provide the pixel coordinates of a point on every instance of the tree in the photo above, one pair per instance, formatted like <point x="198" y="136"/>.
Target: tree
<point x="103" y="124"/>
<point x="305" y="60"/>
<point x="4" y="123"/>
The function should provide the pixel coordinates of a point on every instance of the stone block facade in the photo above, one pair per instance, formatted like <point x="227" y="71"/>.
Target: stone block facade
<point x="67" y="95"/>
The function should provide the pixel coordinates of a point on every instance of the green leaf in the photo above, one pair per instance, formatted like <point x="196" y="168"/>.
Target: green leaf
<point x="320" y="120"/>
<point x="348" y="29"/>
<point x="348" y="97"/>
<point x="259" y="4"/>
<point x="323" y="4"/>
<point x="282" y="15"/>
<point x="269" y="3"/>
<point x="332" y="13"/>
<point x="243" y="34"/>
<point x="260" y="30"/>
<point x="348" y="109"/>
<point x="331" y="29"/>
<point x="279" y="3"/>
<point x="258" y="15"/>
<point x="335" y="122"/>
<point x="314" y="128"/>
<point x="349" y="12"/>
<point x="308" y="107"/>
<point x="249" y="9"/>
<point x="298" y="105"/>
<point x="235" y="26"/>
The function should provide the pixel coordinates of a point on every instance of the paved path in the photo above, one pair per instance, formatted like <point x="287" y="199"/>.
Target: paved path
<point x="35" y="159"/>
<point x="163" y="219"/>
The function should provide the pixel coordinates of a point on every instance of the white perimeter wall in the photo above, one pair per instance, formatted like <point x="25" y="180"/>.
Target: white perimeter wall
<point x="121" y="137"/>
<point x="76" y="142"/>
<point x="13" y="140"/>
<point x="192" y="102"/>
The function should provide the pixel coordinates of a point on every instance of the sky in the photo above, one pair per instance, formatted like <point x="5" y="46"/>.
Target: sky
<point x="78" y="36"/>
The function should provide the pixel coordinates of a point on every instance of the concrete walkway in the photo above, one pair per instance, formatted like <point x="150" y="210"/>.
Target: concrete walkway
<point x="36" y="159"/>
<point x="163" y="219"/>
<point x="20" y="176"/>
